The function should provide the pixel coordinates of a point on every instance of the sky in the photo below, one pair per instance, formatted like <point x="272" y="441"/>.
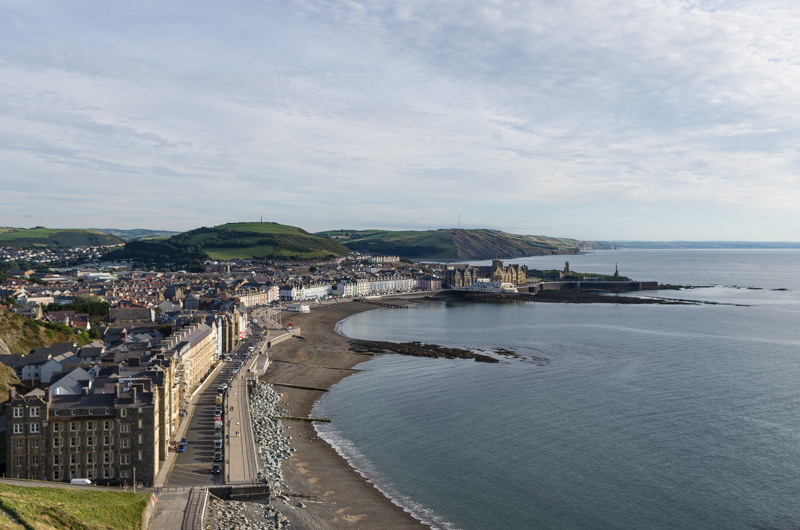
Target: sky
<point x="596" y="119"/>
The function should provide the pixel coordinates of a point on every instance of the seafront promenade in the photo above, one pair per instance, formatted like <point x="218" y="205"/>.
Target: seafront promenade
<point x="241" y="459"/>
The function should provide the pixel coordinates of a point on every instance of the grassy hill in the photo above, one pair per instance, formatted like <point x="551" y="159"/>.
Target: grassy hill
<point x="270" y="241"/>
<point x="137" y="233"/>
<point x="456" y="243"/>
<point x="21" y="335"/>
<point x="51" y="508"/>
<point x="41" y="237"/>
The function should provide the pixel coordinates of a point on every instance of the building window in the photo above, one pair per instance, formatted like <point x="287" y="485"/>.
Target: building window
<point x="73" y="459"/>
<point x="89" y="459"/>
<point x="124" y="443"/>
<point x="56" y="443"/>
<point x="107" y="411"/>
<point x="17" y="412"/>
<point x="34" y="444"/>
<point x="73" y="426"/>
<point x="56" y="460"/>
<point x="55" y="427"/>
<point x="56" y="475"/>
<point x="34" y="461"/>
<point x="34" y="412"/>
<point x="140" y="455"/>
<point x="89" y="425"/>
<point x="106" y="473"/>
<point x="73" y="412"/>
<point x="123" y="412"/>
<point x="73" y="442"/>
<point x="17" y="428"/>
<point x="88" y="473"/>
<point x="90" y="441"/>
<point x="140" y="424"/>
<point x="107" y="440"/>
<point x="106" y="458"/>
<point x="55" y="413"/>
<point x="106" y="425"/>
<point x="141" y="438"/>
<point x="17" y="461"/>
<point x="91" y="412"/>
<point x="124" y="428"/>
<point x="140" y="410"/>
<point x="17" y="444"/>
<point x="34" y="428"/>
<point x="124" y="459"/>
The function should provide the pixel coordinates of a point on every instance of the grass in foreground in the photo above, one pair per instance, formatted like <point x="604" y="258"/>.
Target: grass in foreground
<point x="72" y="509"/>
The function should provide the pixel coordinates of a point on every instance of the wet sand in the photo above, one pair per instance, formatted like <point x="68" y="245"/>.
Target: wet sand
<point x="319" y="359"/>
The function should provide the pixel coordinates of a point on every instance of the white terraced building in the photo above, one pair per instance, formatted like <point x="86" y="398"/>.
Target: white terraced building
<point x="306" y="292"/>
<point x="366" y="287"/>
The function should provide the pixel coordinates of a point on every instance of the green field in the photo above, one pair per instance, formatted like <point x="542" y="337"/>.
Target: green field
<point x="454" y="243"/>
<point x="269" y="241"/>
<point x="263" y="228"/>
<point x="46" y="508"/>
<point x="54" y="237"/>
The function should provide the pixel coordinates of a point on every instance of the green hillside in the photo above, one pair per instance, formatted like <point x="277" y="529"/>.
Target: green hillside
<point x="52" y="508"/>
<point x="137" y="233"/>
<point x="41" y="237"/>
<point x="270" y="241"/>
<point x="456" y="243"/>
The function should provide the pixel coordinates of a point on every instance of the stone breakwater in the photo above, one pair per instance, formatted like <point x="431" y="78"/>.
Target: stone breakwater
<point x="268" y="433"/>
<point x="251" y="515"/>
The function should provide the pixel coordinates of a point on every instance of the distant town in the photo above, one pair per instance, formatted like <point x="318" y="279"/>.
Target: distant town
<point x="112" y="399"/>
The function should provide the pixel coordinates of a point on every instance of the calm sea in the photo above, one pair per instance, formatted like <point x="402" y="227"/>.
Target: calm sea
<point x="628" y="417"/>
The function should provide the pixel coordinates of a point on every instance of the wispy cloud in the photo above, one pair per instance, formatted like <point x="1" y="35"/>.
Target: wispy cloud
<point x="588" y="113"/>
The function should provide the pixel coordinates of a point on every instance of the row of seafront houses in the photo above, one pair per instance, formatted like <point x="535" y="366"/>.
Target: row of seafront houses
<point x="108" y="415"/>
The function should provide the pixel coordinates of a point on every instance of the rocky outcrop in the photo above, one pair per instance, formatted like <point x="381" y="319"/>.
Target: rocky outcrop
<point x="418" y="349"/>
<point x="4" y="349"/>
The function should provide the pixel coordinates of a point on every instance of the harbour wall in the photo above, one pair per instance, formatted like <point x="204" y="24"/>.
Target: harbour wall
<point x="587" y="286"/>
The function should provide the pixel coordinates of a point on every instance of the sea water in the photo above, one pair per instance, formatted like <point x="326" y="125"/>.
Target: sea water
<point x="615" y="416"/>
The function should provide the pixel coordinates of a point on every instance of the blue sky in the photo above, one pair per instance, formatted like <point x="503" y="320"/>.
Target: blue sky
<point x="593" y="119"/>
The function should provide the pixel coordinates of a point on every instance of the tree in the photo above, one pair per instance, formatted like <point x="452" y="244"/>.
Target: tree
<point x="158" y="310"/>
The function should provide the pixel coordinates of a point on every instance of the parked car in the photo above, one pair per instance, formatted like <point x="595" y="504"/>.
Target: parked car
<point x="184" y="440"/>
<point x="216" y="469"/>
<point x="218" y="456"/>
<point x="182" y="448"/>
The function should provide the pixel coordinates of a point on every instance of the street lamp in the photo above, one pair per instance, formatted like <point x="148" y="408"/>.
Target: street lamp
<point x="134" y="479"/>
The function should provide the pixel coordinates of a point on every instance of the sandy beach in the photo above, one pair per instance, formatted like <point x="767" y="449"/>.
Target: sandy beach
<point x="319" y="358"/>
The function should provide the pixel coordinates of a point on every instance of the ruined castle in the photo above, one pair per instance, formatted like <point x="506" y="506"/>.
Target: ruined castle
<point x="465" y="276"/>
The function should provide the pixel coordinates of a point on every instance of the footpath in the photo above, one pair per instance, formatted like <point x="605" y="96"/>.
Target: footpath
<point x="241" y="460"/>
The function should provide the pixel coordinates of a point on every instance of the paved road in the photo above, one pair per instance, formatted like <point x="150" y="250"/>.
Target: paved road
<point x="193" y="468"/>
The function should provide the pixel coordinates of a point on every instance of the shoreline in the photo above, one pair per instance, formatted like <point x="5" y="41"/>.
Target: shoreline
<point x="319" y="358"/>
<point x="300" y="371"/>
